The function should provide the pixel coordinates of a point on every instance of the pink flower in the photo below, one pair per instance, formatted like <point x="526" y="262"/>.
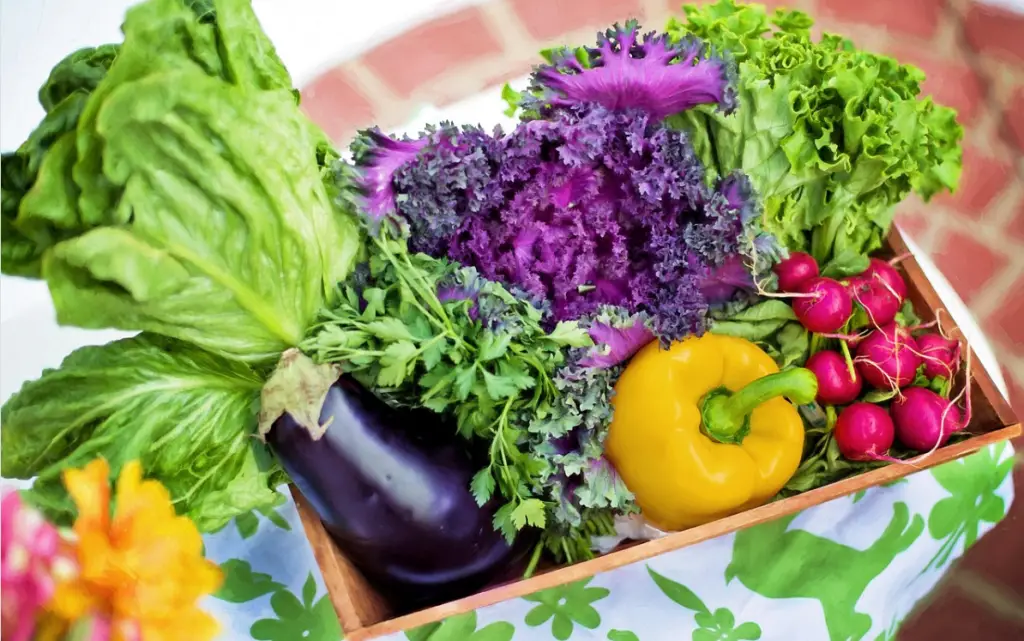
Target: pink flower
<point x="32" y="557"/>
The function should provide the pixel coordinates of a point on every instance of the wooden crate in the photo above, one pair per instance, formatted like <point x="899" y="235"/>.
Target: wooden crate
<point x="364" y="614"/>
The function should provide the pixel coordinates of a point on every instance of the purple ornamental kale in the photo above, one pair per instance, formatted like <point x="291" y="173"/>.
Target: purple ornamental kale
<point x="655" y="75"/>
<point x="431" y="182"/>
<point x="610" y="208"/>
<point x="592" y="200"/>
<point x="587" y="190"/>
<point x="617" y="335"/>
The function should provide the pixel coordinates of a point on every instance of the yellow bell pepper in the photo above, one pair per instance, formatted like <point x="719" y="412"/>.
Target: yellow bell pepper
<point x="701" y="430"/>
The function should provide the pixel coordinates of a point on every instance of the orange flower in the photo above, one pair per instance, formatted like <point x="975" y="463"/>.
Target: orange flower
<point x="141" y="569"/>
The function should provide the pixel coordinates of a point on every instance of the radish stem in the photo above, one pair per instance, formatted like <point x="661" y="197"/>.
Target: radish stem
<point x="848" y="358"/>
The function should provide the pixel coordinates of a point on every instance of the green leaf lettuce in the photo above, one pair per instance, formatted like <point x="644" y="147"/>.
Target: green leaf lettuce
<point x="185" y="413"/>
<point x="832" y="137"/>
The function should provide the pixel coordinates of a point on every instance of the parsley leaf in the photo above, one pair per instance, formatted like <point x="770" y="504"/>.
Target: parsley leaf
<point x="480" y="356"/>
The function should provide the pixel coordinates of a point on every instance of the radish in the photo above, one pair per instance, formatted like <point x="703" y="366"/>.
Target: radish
<point x="864" y="432"/>
<point x="795" y="271"/>
<point x="824" y="306"/>
<point x="924" y="420"/>
<point x="879" y="270"/>
<point x="941" y="355"/>
<point x="878" y="301"/>
<point x="837" y="384"/>
<point x="888" y="357"/>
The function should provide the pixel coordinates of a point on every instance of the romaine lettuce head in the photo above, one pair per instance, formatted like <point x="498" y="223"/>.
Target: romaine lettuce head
<point x="180" y="194"/>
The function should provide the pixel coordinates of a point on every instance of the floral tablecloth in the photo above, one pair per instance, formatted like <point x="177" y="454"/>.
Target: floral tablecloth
<point x="848" y="570"/>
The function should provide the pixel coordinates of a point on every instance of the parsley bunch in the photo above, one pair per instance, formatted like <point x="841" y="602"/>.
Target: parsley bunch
<point x="426" y="332"/>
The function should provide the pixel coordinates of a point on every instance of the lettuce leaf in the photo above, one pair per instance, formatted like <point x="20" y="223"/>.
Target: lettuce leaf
<point x="186" y="198"/>
<point x="51" y="200"/>
<point x="833" y="138"/>
<point x="186" y="414"/>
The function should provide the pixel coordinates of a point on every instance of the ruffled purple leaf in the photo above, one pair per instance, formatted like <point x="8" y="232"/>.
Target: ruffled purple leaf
<point x="679" y="308"/>
<point x="569" y="440"/>
<point x="720" y="284"/>
<point x="655" y="75"/>
<point x="603" y="487"/>
<point x="431" y="182"/>
<point x="378" y="157"/>
<point x="617" y="337"/>
<point x="452" y="176"/>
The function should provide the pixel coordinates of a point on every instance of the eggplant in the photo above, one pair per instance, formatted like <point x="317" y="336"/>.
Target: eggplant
<point x="395" y="496"/>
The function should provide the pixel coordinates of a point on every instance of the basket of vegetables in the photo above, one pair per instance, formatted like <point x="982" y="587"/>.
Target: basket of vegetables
<point x="668" y="304"/>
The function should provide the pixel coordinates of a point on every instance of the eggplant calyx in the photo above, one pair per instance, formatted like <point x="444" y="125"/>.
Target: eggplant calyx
<point x="298" y="388"/>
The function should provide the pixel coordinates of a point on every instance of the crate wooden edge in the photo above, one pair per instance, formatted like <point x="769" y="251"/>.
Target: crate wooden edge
<point x="920" y="285"/>
<point x="685" y="538"/>
<point x="348" y="590"/>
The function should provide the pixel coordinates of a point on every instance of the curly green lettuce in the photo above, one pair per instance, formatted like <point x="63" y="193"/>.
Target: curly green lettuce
<point x="833" y="138"/>
<point x="186" y="414"/>
<point x="182" y="192"/>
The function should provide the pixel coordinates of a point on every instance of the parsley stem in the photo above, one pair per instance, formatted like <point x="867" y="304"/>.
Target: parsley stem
<point x="409" y="274"/>
<point x="534" y="559"/>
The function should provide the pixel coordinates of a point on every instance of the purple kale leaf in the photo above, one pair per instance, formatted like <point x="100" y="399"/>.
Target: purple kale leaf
<point x="625" y="71"/>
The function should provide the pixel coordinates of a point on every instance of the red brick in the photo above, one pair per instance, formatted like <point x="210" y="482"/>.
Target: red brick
<point x="914" y="17"/>
<point x="1016" y="225"/>
<point x="995" y="31"/>
<point x="912" y="222"/>
<point x="548" y="19"/>
<point x="510" y="73"/>
<point x="1004" y="325"/>
<point x="416" y="57"/>
<point x="334" y="103"/>
<point x="982" y="180"/>
<point x="1013" y="119"/>
<point x="948" y="613"/>
<point x="1016" y="388"/>
<point x="950" y="82"/>
<point x="987" y="559"/>
<point x="676" y="6"/>
<point x="967" y="263"/>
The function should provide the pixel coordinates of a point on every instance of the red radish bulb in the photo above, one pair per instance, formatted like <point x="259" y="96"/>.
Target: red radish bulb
<point x="888" y="357"/>
<point x="795" y="271"/>
<point x="879" y="270"/>
<point x="924" y="420"/>
<point x="835" y="385"/>
<point x="864" y="432"/>
<point x="941" y="355"/>
<point x="827" y="307"/>
<point x="876" y="299"/>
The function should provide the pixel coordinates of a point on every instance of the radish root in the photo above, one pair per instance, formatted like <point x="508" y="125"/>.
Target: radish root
<point x="899" y="259"/>
<point x="965" y="393"/>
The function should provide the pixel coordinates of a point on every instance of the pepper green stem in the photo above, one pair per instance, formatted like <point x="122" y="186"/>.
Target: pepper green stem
<point x="725" y="415"/>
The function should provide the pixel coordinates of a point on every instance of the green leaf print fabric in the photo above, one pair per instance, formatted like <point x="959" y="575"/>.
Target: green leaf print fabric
<point x="847" y="570"/>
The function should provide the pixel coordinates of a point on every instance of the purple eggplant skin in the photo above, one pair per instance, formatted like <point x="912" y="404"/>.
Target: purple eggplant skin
<point x="396" y="500"/>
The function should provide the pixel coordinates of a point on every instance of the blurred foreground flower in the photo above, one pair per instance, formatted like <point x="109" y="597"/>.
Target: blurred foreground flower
<point x="34" y="556"/>
<point x="134" y="573"/>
